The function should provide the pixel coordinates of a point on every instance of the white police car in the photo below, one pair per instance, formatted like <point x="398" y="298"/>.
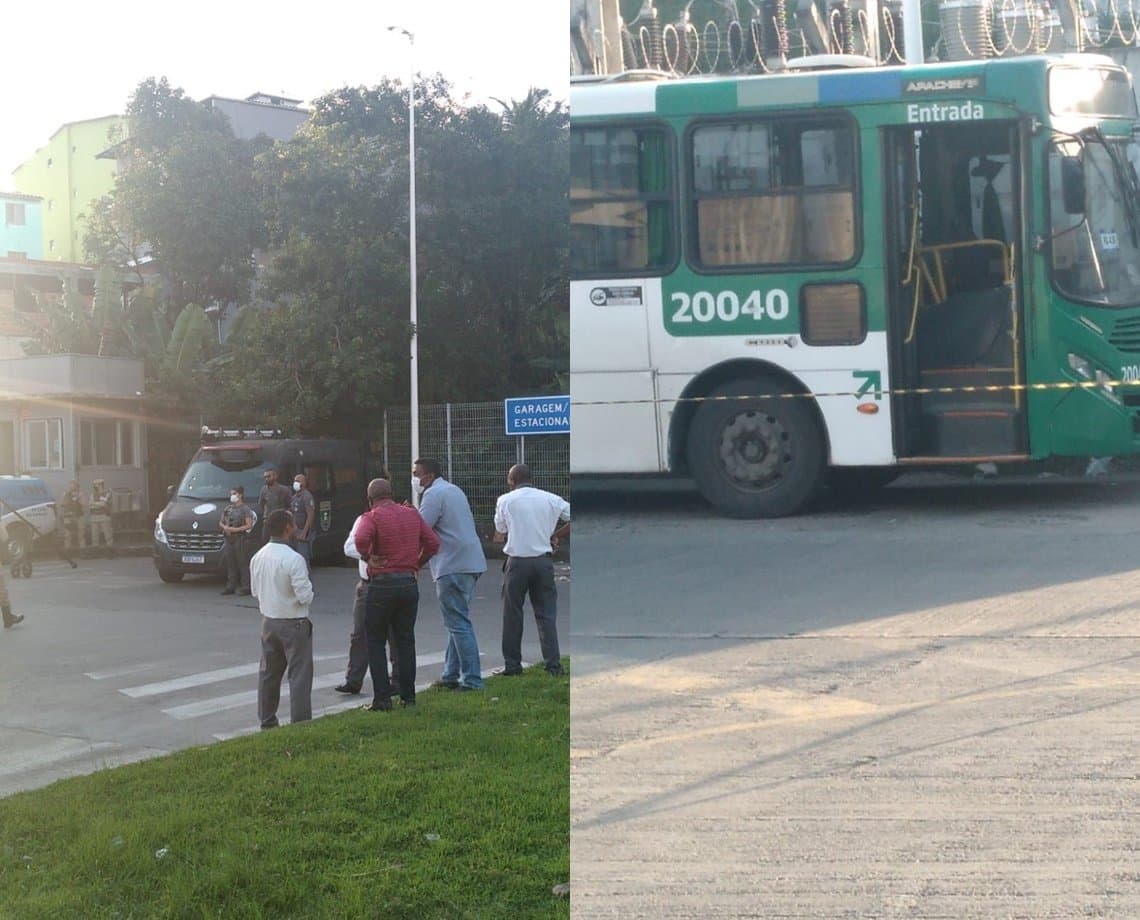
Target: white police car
<point x="27" y="508"/>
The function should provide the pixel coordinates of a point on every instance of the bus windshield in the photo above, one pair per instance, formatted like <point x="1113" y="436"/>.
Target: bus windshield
<point x="1095" y="209"/>
<point x="211" y="479"/>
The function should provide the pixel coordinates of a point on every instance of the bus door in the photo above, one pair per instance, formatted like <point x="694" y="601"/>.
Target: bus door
<point x="955" y="324"/>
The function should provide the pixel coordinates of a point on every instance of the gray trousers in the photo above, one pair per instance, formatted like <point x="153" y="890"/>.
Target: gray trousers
<point x="533" y="576"/>
<point x="358" y="645"/>
<point x="286" y="647"/>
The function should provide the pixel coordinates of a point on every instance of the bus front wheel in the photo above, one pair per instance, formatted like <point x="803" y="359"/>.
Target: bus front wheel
<point x="755" y="451"/>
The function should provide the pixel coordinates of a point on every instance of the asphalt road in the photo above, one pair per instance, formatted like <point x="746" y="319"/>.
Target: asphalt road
<point x="918" y="706"/>
<point x="112" y="666"/>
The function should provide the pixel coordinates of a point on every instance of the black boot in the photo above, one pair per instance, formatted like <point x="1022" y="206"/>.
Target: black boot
<point x="9" y="620"/>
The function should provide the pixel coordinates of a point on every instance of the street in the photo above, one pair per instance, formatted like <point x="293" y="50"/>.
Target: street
<point x="921" y="705"/>
<point x="112" y="666"/>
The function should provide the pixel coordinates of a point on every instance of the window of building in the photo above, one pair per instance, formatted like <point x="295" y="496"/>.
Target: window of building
<point x="621" y="207"/>
<point x="106" y="442"/>
<point x="772" y="192"/>
<point x="14" y="214"/>
<point x="43" y="444"/>
<point x="49" y="162"/>
<point x="51" y="245"/>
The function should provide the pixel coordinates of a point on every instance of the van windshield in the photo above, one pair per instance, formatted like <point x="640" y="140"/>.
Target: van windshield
<point x="212" y="479"/>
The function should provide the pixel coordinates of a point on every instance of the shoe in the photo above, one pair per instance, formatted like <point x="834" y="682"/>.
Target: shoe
<point x="347" y="688"/>
<point x="507" y="672"/>
<point x="556" y="672"/>
<point x="243" y="592"/>
<point x="463" y="688"/>
<point x="13" y="620"/>
<point x="404" y="704"/>
<point x="445" y="684"/>
<point x="378" y="706"/>
<point x="228" y="591"/>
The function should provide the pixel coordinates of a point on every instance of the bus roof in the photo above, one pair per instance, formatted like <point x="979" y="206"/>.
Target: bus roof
<point x="721" y="92"/>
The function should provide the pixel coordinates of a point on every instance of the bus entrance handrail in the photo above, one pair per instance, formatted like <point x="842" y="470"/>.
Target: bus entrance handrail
<point x="936" y="280"/>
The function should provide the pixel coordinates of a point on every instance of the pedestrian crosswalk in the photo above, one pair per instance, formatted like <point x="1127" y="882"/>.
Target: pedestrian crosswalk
<point x="174" y="708"/>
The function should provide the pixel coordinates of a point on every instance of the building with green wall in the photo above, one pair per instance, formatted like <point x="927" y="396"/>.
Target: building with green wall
<point x="67" y="175"/>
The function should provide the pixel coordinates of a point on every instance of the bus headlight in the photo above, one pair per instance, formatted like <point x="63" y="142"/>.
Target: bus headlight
<point x="159" y="533"/>
<point x="1081" y="366"/>
<point x="1105" y="382"/>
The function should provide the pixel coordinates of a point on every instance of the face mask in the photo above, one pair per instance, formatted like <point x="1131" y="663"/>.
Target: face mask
<point x="417" y="489"/>
<point x="296" y="487"/>
<point x="233" y="498"/>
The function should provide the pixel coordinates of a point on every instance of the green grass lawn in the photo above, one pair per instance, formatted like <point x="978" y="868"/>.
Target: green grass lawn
<point x="457" y="808"/>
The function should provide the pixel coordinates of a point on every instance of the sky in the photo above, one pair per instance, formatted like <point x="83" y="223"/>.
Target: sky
<point x="73" y="59"/>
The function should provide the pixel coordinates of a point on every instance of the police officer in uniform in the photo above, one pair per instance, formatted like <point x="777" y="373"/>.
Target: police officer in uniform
<point x="273" y="495"/>
<point x="10" y="619"/>
<point x="237" y="525"/>
<point x="71" y="508"/>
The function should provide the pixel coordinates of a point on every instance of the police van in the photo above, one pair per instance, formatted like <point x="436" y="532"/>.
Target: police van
<point x="27" y="508"/>
<point x="187" y="534"/>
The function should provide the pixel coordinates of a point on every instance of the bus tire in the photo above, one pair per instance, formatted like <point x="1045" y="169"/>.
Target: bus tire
<point x="756" y="458"/>
<point x="170" y="576"/>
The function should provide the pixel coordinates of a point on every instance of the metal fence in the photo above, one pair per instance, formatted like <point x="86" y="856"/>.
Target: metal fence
<point x="469" y="442"/>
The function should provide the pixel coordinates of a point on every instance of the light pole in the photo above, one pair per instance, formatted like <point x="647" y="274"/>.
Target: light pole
<point x="415" y="368"/>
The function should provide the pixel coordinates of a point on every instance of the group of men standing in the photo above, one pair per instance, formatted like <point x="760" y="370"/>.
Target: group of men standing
<point x="78" y="510"/>
<point x="392" y="542"/>
<point x="239" y="521"/>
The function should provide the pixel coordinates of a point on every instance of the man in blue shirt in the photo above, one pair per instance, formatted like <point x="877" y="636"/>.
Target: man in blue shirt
<point x="455" y="568"/>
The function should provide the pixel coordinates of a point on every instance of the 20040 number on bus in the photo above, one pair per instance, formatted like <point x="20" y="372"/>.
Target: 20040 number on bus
<point x="725" y="306"/>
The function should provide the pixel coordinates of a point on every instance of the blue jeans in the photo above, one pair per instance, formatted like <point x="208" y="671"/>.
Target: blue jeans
<point x="461" y="659"/>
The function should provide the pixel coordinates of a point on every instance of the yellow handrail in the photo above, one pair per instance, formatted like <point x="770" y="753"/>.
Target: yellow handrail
<point x="936" y="281"/>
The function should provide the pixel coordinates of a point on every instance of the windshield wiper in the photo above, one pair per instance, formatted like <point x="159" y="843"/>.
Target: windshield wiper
<point x="1126" y="180"/>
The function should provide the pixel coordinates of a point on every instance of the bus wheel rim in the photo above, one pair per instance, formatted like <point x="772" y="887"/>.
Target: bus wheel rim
<point x="754" y="450"/>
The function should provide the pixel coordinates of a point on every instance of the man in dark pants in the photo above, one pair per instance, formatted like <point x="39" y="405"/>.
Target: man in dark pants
<point x="358" y="638"/>
<point x="305" y="517"/>
<point x="396" y="541"/>
<point x="527" y="520"/>
<point x="237" y="525"/>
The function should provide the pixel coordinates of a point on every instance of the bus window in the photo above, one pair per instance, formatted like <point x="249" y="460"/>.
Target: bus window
<point x="621" y="210"/>
<point x="773" y="193"/>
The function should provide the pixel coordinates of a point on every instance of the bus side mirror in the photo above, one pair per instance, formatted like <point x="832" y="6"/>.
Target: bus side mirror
<point x="1073" y="185"/>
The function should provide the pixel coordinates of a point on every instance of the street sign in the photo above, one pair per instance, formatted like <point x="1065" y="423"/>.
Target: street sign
<point x="537" y="415"/>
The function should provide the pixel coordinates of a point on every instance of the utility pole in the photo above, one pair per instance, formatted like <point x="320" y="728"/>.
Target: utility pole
<point x="595" y="37"/>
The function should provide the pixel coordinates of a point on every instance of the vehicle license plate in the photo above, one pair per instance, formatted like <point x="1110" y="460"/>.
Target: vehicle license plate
<point x="193" y="560"/>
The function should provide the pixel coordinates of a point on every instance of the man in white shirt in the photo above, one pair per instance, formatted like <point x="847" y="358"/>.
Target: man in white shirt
<point x="358" y="638"/>
<point x="279" y="579"/>
<point x="527" y="520"/>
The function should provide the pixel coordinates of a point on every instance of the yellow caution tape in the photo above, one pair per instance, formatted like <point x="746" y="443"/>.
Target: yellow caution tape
<point x="876" y="394"/>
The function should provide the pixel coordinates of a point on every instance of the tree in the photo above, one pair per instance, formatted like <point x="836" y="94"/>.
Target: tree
<point x="492" y="251"/>
<point x="185" y="196"/>
<point x="130" y="324"/>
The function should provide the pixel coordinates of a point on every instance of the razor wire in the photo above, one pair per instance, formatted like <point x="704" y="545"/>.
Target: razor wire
<point x="713" y="36"/>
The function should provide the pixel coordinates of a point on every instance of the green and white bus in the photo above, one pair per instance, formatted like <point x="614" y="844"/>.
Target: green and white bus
<point x="781" y="278"/>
